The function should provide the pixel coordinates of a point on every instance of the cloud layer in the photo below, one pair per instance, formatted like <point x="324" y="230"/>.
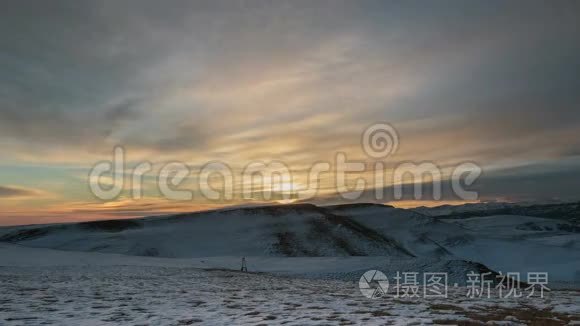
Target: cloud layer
<point x="10" y="192"/>
<point x="495" y="83"/>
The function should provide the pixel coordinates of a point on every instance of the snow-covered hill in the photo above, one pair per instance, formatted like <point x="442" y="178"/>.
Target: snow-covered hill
<point x="405" y="238"/>
<point x="296" y="230"/>
<point x="569" y="212"/>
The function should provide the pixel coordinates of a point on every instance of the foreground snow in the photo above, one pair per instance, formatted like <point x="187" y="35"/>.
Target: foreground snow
<point x="140" y="295"/>
<point x="44" y="286"/>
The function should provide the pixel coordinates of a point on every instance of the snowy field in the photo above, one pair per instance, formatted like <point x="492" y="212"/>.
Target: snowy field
<point x="139" y="295"/>
<point x="51" y="287"/>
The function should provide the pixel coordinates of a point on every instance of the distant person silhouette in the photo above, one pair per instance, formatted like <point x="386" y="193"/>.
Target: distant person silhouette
<point x="244" y="267"/>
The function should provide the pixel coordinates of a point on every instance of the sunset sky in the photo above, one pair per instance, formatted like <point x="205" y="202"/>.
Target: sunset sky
<point x="496" y="83"/>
